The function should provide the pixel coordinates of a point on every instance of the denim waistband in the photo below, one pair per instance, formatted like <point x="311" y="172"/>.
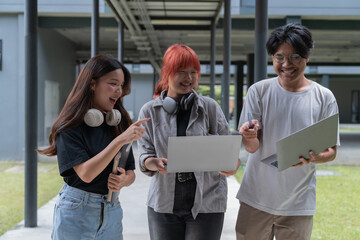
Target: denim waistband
<point x="82" y="193"/>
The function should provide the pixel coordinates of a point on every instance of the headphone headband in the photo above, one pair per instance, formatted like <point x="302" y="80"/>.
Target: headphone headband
<point x="171" y="105"/>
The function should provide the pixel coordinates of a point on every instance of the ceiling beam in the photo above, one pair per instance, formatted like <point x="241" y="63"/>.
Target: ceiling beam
<point x="136" y="33"/>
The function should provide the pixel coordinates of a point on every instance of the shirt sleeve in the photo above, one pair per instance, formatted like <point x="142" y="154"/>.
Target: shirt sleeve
<point x="71" y="151"/>
<point x="252" y="105"/>
<point x="145" y="143"/>
<point x="331" y="109"/>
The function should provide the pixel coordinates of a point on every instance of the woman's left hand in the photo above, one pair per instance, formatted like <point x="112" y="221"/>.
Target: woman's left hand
<point x="116" y="182"/>
<point x="230" y="173"/>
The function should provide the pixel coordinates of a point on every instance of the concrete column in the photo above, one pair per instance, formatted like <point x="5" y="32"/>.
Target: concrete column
<point x="212" y="59"/>
<point x="95" y="29"/>
<point x="250" y="69"/>
<point x="225" y="83"/>
<point x="239" y="84"/>
<point x="261" y="28"/>
<point x="325" y="80"/>
<point x="31" y="112"/>
<point x="155" y="79"/>
<point x="120" y="41"/>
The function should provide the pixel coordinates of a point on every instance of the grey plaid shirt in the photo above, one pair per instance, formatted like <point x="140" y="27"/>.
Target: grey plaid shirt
<point x="206" y="118"/>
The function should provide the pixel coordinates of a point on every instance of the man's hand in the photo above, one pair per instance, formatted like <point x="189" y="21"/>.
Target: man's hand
<point x="250" y="135"/>
<point x="323" y="157"/>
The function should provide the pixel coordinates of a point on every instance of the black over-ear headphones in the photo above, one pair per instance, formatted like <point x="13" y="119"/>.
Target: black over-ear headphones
<point x="172" y="106"/>
<point x="94" y="117"/>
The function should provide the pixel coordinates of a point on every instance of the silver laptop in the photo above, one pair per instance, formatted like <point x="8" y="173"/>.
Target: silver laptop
<point x="203" y="153"/>
<point x="317" y="137"/>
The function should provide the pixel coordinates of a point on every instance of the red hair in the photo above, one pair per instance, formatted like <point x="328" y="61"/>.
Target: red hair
<point x="176" y="57"/>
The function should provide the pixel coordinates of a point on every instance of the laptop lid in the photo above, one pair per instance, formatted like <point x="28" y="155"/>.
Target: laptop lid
<point x="317" y="137"/>
<point x="203" y="153"/>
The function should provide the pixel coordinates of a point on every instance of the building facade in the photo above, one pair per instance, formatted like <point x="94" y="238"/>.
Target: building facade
<point x="61" y="53"/>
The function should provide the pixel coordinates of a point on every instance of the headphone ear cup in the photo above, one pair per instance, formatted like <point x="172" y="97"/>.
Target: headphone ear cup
<point x="187" y="101"/>
<point x="93" y="118"/>
<point x="170" y="105"/>
<point x="113" y="118"/>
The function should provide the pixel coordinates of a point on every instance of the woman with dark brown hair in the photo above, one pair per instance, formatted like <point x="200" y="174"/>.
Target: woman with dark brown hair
<point x="85" y="146"/>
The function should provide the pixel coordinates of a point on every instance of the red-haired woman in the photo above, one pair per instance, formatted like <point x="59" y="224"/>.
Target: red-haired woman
<point x="186" y="205"/>
<point x="85" y="146"/>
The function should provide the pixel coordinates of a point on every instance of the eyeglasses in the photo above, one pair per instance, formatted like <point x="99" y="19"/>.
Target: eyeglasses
<point x="184" y="74"/>
<point x="294" y="58"/>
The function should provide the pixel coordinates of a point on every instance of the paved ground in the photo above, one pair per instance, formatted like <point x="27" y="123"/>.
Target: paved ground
<point x="349" y="150"/>
<point x="135" y="217"/>
<point x="133" y="201"/>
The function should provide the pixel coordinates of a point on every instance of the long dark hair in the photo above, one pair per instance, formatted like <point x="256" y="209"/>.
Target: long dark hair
<point x="80" y="98"/>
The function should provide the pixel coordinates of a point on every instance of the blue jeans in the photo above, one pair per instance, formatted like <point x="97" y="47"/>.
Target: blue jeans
<point x="81" y="215"/>
<point x="165" y="226"/>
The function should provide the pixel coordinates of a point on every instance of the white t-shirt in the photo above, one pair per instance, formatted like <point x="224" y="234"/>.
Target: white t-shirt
<point x="280" y="113"/>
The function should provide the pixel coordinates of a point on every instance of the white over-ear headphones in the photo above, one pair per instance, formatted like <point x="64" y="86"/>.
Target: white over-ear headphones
<point x="170" y="105"/>
<point x="94" y="118"/>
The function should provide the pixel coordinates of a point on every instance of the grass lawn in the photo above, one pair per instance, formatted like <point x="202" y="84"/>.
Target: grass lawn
<point x="338" y="204"/>
<point x="12" y="191"/>
<point x="349" y="129"/>
<point x="337" y="215"/>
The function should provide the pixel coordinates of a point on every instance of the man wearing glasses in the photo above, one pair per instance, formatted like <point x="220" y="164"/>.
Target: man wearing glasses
<point x="272" y="203"/>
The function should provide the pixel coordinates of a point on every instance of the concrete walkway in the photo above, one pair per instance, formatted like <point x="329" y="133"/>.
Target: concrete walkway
<point x="133" y="201"/>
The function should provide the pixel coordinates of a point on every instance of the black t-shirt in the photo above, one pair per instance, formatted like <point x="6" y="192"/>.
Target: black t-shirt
<point x="184" y="191"/>
<point x="78" y="145"/>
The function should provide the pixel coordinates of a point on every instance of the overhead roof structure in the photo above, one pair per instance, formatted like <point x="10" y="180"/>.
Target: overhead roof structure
<point x="152" y="26"/>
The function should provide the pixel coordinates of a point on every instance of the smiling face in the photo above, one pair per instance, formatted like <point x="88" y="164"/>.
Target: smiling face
<point x="290" y="72"/>
<point x="183" y="81"/>
<point x="107" y="90"/>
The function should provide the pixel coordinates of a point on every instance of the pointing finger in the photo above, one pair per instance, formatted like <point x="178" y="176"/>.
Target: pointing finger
<point x="139" y="122"/>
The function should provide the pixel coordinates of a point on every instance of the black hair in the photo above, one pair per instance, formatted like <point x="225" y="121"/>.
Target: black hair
<point x="297" y="35"/>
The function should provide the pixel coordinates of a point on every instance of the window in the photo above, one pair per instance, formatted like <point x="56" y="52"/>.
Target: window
<point x="136" y="68"/>
<point x="355" y="106"/>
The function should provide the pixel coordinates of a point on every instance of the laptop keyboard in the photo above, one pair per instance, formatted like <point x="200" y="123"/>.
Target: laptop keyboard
<point x="275" y="164"/>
